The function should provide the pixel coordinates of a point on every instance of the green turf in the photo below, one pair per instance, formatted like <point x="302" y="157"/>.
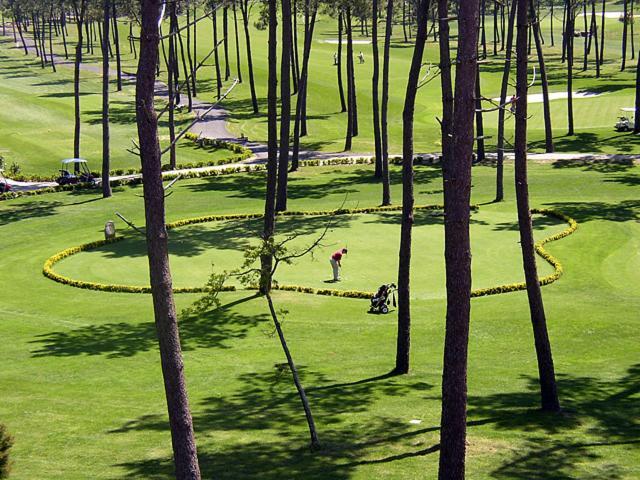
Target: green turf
<point x="37" y="118"/>
<point x="81" y="385"/>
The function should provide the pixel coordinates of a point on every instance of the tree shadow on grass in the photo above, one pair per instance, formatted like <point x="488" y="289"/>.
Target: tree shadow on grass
<point x="588" y="142"/>
<point x="605" y="409"/>
<point x="623" y="211"/>
<point x="35" y="209"/>
<point x="615" y="165"/>
<point x="268" y="400"/>
<point x="213" y="329"/>
<point x="193" y="240"/>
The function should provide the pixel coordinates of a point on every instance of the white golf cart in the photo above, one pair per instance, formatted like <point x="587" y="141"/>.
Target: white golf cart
<point x="625" y="122"/>
<point x="73" y="171"/>
<point x="4" y="184"/>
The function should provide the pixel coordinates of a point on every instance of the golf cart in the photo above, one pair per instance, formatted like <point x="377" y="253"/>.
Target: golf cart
<point x="80" y="173"/>
<point x="625" y="123"/>
<point x="4" y="184"/>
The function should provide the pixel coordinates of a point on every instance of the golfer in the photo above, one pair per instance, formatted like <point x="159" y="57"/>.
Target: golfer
<point x="335" y="263"/>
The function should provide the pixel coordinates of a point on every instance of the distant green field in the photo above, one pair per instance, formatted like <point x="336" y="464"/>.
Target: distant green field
<point x="36" y="121"/>
<point x="81" y="385"/>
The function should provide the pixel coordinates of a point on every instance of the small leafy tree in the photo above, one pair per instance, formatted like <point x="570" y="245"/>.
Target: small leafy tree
<point x="6" y="442"/>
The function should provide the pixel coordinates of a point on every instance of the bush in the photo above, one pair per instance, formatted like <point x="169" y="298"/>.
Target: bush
<point x="6" y="442"/>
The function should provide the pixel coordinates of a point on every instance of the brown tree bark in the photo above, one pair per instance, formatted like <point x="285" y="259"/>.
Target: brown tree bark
<point x="285" y="106"/>
<point x="445" y="81"/>
<point x="272" y="147"/>
<point x="106" y="161"/>
<point x="244" y="8"/>
<point x="215" y="53"/>
<point x="457" y="192"/>
<point x="480" y="153"/>
<point x="503" y="100"/>
<point x="569" y="46"/>
<point x="80" y="13"/>
<point x="404" y="264"/>
<point x="343" y="105"/>
<point x="182" y="437"/>
<point x="225" y="41"/>
<point x="624" y="34"/>
<point x="116" y="41"/>
<point x="546" y="104"/>
<point x="375" y="94"/>
<point x="384" y="127"/>
<point x="235" y="32"/>
<point x="548" y="390"/>
<point x="351" y="102"/>
<point x="604" y="7"/>
<point x="302" y="90"/>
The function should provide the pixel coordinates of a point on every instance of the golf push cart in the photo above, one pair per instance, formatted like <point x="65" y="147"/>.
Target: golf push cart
<point x="381" y="300"/>
<point x="80" y="172"/>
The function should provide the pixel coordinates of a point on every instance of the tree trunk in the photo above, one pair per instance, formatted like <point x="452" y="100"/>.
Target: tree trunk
<point x="225" y="41"/>
<point x="375" y="81"/>
<point x="315" y="443"/>
<point x="353" y="107"/>
<point x="235" y="31"/>
<point x="350" y="89"/>
<point x="384" y="127"/>
<point x="302" y="91"/>
<point x="548" y="131"/>
<point x="604" y="6"/>
<point x="636" y="124"/>
<point x="116" y="41"/>
<point x="272" y="146"/>
<point x="106" y="161"/>
<point x="480" y="154"/>
<point x="247" y="37"/>
<point x="457" y="190"/>
<point x="76" y="78"/>
<point x="503" y="101"/>
<point x="569" y="46"/>
<point x="446" y="123"/>
<point x="343" y="105"/>
<point x="172" y="86"/>
<point x="549" y="395"/>
<point x="285" y="106"/>
<point x="404" y="265"/>
<point x="215" y="53"/>
<point x="624" y="35"/>
<point x="182" y="437"/>
<point x="594" y="29"/>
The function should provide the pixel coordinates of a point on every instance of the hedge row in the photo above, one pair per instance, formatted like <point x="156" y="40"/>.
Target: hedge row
<point x="49" y="272"/>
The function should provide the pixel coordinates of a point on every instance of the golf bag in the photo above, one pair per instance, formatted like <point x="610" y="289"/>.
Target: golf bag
<point x="381" y="300"/>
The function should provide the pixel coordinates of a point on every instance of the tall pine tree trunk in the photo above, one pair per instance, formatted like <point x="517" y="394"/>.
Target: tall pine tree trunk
<point x="569" y="45"/>
<point x="503" y="101"/>
<point x="343" y="105"/>
<point x="375" y="94"/>
<point x="404" y="265"/>
<point x="446" y="124"/>
<point x="80" y="13"/>
<point x="537" y="35"/>
<point x="285" y="106"/>
<point x="384" y="126"/>
<point x="106" y="161"/>
<point x="272" y="146"/>
<point x="216" y="57"/>
<point x="244" y="8"/>
<point x="182" y="437"/>
<point x="625" y="23"/>
<point x="457" y="191"/>
<point x="549" y="395"/>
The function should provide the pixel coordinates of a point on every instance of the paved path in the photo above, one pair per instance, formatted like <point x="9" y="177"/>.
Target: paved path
<point x="214" y="125"/>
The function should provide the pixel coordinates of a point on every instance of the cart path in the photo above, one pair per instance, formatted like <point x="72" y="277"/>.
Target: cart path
<point x="214" y="125"/>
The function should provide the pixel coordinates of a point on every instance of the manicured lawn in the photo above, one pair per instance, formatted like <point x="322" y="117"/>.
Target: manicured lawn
<point x="81" y="384"/>
<point x="36" y="121"/>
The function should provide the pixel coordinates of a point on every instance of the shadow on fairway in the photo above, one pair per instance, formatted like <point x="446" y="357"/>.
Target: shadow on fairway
<point x="609" y="409"/>
<point x="268" y="400"/>
<point x="587" y="142"/>
<point x="213" y="329"/>
<point x="623" y="211"/>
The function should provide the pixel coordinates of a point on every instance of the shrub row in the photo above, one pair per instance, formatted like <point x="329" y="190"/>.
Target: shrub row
<point x="49" y="272"/>
<point x="396" y="160"/>
<point x="6" y="442"/>
<point x="558" y="270"/>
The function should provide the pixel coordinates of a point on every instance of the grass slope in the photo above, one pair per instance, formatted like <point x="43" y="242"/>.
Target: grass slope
<point x="81" y="384"/>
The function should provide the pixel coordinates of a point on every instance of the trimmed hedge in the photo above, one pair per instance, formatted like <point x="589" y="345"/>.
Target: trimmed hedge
<point x="49" y="272"/>
<point x="6" y="442"/>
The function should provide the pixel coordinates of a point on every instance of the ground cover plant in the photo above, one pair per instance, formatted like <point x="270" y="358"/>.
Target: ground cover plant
<point x="85" y="364"/>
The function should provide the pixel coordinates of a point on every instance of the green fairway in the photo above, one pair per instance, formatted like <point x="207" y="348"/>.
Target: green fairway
<point x="37" y="114"/>
<point x="81" y="384"/>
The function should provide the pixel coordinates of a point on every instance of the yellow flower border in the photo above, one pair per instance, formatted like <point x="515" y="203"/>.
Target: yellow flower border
<point x="50" y="273"/>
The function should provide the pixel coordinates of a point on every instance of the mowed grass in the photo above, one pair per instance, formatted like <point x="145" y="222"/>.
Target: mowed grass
<point x="37" y="121"/>
<point x="82" y="389"/>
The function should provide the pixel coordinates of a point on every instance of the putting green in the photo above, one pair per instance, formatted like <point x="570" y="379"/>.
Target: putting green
<point x="202" y="245"/>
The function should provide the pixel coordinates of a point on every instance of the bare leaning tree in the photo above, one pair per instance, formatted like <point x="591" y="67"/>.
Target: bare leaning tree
<point x="182" y="436"/>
